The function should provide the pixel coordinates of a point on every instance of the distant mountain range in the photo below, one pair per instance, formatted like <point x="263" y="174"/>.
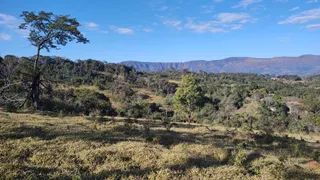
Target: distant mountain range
<point x="302" y="65"/>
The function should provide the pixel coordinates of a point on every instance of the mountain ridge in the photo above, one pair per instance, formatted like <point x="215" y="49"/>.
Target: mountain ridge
<point x="301" y="65"/>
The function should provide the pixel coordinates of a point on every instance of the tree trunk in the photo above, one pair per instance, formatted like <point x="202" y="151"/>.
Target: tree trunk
<point x="189" y="118"/>
<point x="36" y="82"/>
<point x="189" y="113"/>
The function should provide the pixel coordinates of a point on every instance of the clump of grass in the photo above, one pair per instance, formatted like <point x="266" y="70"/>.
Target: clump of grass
<point x="267" y="168"/>
<point x="239" y="157"/>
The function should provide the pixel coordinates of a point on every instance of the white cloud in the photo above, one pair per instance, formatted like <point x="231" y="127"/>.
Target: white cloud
<point x="222" y="22"/>
<point x="13" y="23"/>
<point x="246" y="3"/>
<point x="104" y="32"/>
<point x="236" y="27"/>
<point x="7" y="19"/>
<point x="207" y="8"/>
<point x="92" y="26"/>
<point x="203" y="27"/>
<point x="303" y="17"/>
<point x="147" y="30"/>
<point x="122" y="30"/>
<point x="295" y="8"/>
<point x="172" y="23"/>
<point x="5" y="37"/>
<point x="163" y="8"/>
<point x="313" y="26"/>
<point x="233" y="17"/>
<point x="312" y="1"/>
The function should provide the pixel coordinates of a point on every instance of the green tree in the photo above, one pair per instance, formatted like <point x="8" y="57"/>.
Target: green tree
<point x="188" y="96"/>
<point x="48" y="31"/>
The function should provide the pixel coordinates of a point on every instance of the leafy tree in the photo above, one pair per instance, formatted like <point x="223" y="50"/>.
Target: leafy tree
<point x="168" y="102"/>
<point x="48" y="31"/>
<point x="89" y="101"/>
<point x="188" y="96"/>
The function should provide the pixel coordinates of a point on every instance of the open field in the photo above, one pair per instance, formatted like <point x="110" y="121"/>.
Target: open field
<point x="34" y="146"/>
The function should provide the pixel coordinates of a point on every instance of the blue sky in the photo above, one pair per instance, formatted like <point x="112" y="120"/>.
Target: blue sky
<point x="173" y="30"/>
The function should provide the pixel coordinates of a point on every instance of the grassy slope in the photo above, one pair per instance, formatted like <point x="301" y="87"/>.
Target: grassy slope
<point x="37" y="146"/>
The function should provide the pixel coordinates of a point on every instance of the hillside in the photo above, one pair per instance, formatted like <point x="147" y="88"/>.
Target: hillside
<point x="34" y="146"/>
<point x="302" y="65"/>
<point x="98" y="120"/>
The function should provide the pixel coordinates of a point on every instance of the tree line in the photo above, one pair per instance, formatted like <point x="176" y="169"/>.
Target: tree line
<point x="96" y="88"/>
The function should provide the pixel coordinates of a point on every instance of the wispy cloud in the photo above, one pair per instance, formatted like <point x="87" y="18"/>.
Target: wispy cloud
<point x="207" y="8"/>
<point x="5" y="37"/>
<point x="147" y="30"/>
<point x="173" y="23"/>
<point x="234" y="17"/>
<point x="203" y="27"/>
<point x="295" y="8"/>
<point x="92" y="26"/>
<point x="122" y="30"/>
<point x="312" y="1"/>
<point x="12" y="23"/>
<point x="303" y="17"/>
<point x="163" y="8"/>
<point x="7" y="19"/>
<point x="313" y="26"/>
<point x="104" y="32"/>
<point x="282" y="1"/>
<point x="236" y="27"/>
<point x="223" y="22"/>
<point x="246" y="3"/>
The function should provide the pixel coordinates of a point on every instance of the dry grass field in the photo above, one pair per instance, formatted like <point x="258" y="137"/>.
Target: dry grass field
<point x="34" y="146"/>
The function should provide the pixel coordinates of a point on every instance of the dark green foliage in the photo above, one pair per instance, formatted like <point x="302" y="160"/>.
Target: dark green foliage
<point x="49" y="31"/>
<point x="316" y="155"/>
<point x="77" y="101"/>
<point x="89" y="101"/>
<point x="290" y="77"/>
<point x="10" y="107"/>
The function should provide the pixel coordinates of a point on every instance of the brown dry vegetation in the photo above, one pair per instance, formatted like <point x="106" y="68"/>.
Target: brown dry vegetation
<point x="34" y="146"/>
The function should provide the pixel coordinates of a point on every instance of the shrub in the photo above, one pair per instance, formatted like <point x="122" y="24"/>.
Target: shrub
<point x="90" y="101"/>
<point x="316" y="156"/>
<point x="10" y="107"/>
<point x="296" y="150"/>
<point x="80" y="101"/>
<point x="239" y="157"/>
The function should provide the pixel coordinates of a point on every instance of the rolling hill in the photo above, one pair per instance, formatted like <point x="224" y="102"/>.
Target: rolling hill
<point x="302" y="65"/>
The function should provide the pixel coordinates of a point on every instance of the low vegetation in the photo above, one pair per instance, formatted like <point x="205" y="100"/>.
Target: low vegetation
<point x="35" y="146"/>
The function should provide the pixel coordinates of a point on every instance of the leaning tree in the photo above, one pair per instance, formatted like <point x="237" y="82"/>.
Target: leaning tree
<point x="48" y="31"/>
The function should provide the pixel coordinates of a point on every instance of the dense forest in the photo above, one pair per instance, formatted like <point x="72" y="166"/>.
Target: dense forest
<point x="96" y="89"/>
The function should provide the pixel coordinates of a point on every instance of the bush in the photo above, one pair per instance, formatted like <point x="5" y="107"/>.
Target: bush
<point x="90" y="101"/>
<point x="239" y="157"/>
<point x="316" y="156"/>
<point x="80" y="101"/>
<point x="10" y="107"/>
